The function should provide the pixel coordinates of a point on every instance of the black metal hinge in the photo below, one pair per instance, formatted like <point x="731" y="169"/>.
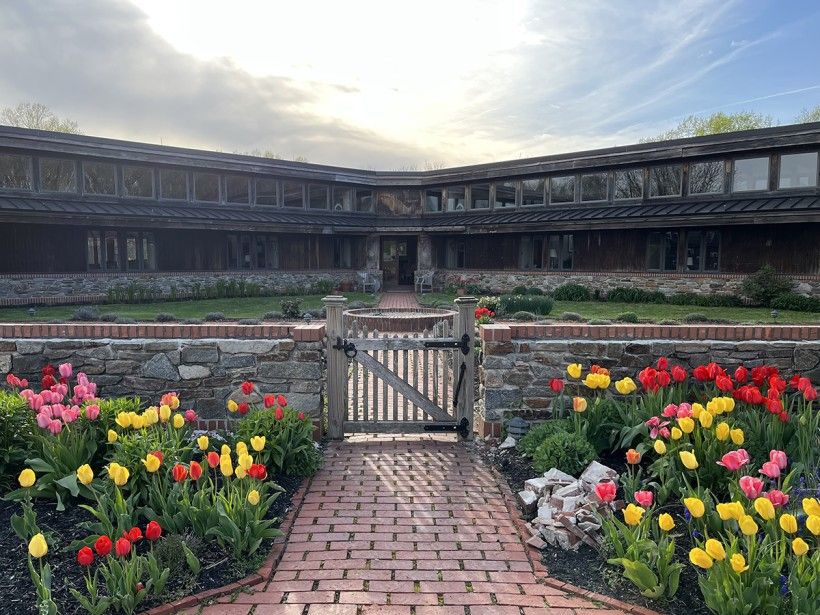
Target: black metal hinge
<point x="462" y="428"/>
<point x="349" y="348"/>
<point x="463" y="344"/>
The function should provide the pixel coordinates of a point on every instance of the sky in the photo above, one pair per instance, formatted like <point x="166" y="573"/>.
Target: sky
<point x="389" y="85"/>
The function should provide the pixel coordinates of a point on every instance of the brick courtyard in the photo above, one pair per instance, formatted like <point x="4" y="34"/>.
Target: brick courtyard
<point x="413" y="525"/>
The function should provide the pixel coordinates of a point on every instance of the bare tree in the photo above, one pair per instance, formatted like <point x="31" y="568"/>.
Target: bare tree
<point x="808" y="115"/>
<point x="38" y="116"/>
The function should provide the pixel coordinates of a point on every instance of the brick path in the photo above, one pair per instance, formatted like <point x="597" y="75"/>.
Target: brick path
<point x="407" y="525"/>
<point x="398" y="299"/>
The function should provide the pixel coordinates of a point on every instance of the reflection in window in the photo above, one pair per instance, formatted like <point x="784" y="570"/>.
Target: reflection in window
<point x="562" y="189"/>
<point x="531" y="252"/>
<point x="94" y="259"/>
<point x="455" y="198"/>
<point x="138" y="182"/>
<point x="266" y="191"/>
<point x="433" y="200"/>
<point x="273" y="253"/>
<point x="798" y="170"/>
<point x="293" y="194"/>
<point x="456" y="253"/>
<point x="237" y="189"/>
<point x="665" y="180"/>
<point x="532" y="192"/>
<point x="628" y="184"/>
<point x="148" y="252"/>
<point x="98" y="178"/>
<point x="594" y="187"/>
<point x="245" y="252"/>
<point x="702" y="250"/>
<point x="57" y="175"/>
<point x="505" y="193"/>
<point x="750" y="174"/>
<point x="206" y="187"/>
<point x="662" y="252"/>
<point x="139" y="251"/>
<point x="318" y="196"/>
<point x="364" y="200"/>
<point x="560" y="252"/>
<point x="342" y="253"/>
<point x="111" y="246"/>
<point x="260" y="252"/>
<point x="173" y="184"/>
<point x="15" y="172"/>
<point x="480" y="196"/>
<point x="342" y="199"/>
<point x="706" y="177"/>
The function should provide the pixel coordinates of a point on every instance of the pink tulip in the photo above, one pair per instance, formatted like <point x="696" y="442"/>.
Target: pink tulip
<point x="61" y="389"/>
<point x="670" y="411"/>
<point x="751" y="486"/>
<point x="27" y="394"/>
<point x="734" y="460"/>
<point x="664" y="432"/>
<point x="777" y="497"/>
<point x="92" y="412"/>
<point x="684" y="411"/>
<point x="656" y="427"/>
<point x="779" y="457"/>
<point x="190" y="415"/>
<point x="36" y="402"/>
<point x="66" y="370"/>
<point x="770" y="469"/>
<point x="57" y="410"/>
<point x="82" y="379"/>
<point x="79" y="390"/>
<point x="43" y="420"/>
<point x="644" y="498"/>
<point x="605" y="491"/>
<point x="55" y="426"/>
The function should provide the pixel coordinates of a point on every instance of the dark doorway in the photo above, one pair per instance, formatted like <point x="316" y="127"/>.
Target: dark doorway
<point x="398" y="261"/>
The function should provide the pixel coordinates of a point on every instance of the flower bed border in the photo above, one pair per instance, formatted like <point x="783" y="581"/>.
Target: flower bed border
<point x="263" y="575"/>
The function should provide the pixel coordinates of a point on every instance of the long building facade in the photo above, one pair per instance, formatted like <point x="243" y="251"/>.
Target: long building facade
<point x="86" y="217"/>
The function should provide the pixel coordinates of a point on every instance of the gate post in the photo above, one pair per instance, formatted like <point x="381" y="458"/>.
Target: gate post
<point x="465" y="323"/>
<point x="336" y="366"/>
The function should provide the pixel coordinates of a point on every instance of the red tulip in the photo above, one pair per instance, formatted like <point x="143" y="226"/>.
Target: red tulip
<point x="301" y="416"/>
<point x="180" y="473"/>
<point x="134" y="534"/>
<point x="280" y="399"/>
<point x="809" y="393"/>
<point x="158" y="455"/>
<point x="724" y="383"/>
<point x="606" y="491"/>
<point x="269" y="401"/>
<point x="664" y="379"/>
<point x="153" y="531"/>
<point x="741" y="373"/>
<point x="701" y="373"/>
<point x="103" y="546"/>
<point x="247" y="387"/>
<point x="85" y="556"/>
<point x="663" y="363"/>
<point x="644" y="498"/>
<point x="123" y="547"/>
<point x="195" y="470"/>
<point x="243" y="408"/>
<point x="258" y="471"/>
<point x="279" y="414"/>
<point x="557" y="385"/>
<point x="803" y="383"/>
<point x="678" y="374"/>
<point x="213" y="459"/>
<point x="190" y="415"/>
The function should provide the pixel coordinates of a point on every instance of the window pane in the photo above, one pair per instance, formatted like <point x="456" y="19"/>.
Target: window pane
<point x="112" y="250"/>
<point x="554" y="251"/>
<point x="138" y="181"/>
<point x="670" y="251"/>
<point x="132" y="252"/>
<point x="98" y="178"/>
<point x="629" y="184"/>
<point x="261" y="256"/>
<point x="206" y="187"/>
<point x="266" y="191"/>
<point x="318" y="196"/>
<point x="653" y="256"/>
<point x="798" y="170"/>
<point x="567" y="250"/>
<point x="273" y="253"/>
<point x="173" y="184"/>
<point x="245" y="254"/>
<point x="58" y="175"/>
<point x="532" y="192"/>
<point x="594" y="187"/>
<point x="562" y="189"/>
<point x="364" y="200"/>
<point x="433" y="200"/>
<point x="94" y="257"/>
<point x="341" y="253"/>
<point x="665" y="180"/>
<point x="480" y="196"/>
<point x="693" y="249"/>
<point x="232" y="253"/>
<point x="751" y="174"/>
<point x="711" y="255"/>
<point x="505" y="194"/>
<point x="455" y="198"/>
<point x="15" y="172"/>
<point x="149" y="258"/>
<point x="342" y="199"/>
<point x="706" y="177"/>
<point x="292" y="194"/>
<point x="456" y="250"/>
<point x="237" y="189"/>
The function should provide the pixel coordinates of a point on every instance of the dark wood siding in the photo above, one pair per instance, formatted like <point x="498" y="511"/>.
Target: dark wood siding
<point x="41" y="249"/>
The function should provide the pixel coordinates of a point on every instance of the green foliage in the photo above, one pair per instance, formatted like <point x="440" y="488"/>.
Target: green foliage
<point x="323" y="287"/>
<point x="716" y="300"/>
<point x="635" y="295"/>
<point x="165" y="317"/>
<point x="214" y="316"/>
<point x="291" y="308"/>
<point x="537" y="434"/>
<point x="476" y="291"/>
<point x="568" y="452"/>
<point x="85" y="313"/>
<point x="763" y="286"/>
<point x="627" y="317"/>
<point x="572" y="292"/>
<point x="695" y="317"/>
<point x="16" y="428"/>
<point x="241" y="527"/>
<point x="519" y="290"/>
<point x="572" y="316"/>
<point x="289" y="444"/>
<point x="524" y="316"/>
<point x="489" y="302"/>
<point x="537" y="304"/>
<point x="534" y="290"/>
<point x="796" y="302"/>
<point x="808" y="115"/>
<point x="716" y="123"/>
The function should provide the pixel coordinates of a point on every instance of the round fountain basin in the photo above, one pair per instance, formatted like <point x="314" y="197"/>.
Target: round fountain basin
<point x="398" y="320"/>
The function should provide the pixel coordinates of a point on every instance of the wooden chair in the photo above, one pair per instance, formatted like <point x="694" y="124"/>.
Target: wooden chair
<point x="368" y="282"/>
<point x="424" y="281"/>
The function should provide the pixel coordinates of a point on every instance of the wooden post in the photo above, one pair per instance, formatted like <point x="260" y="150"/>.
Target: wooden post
<point x="336" y="366"/>
<point x="465" y="323"/>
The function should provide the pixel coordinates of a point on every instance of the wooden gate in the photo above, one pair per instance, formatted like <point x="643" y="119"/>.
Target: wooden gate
<point x="396" y="383"/>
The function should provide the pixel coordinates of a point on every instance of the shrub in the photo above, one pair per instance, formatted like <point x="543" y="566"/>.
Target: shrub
<point x="572" y="292"/>
<point x="476" y="291"/>
<point x="250" y="321"/>
<point x="109" y="317"/>
<point x="323" y="287"/>
<point x="568" y="452"/>
<point x="627" y="317"/>
<point x="16" y="429"/>
<point x="214" y="316"/>
<point x="534" y="290"/>
<point x="491" y="303"/>
<point x="271" y="316"/>
<point x="716" y="300"/>
<point x="85" y="313"/>
<point x="192" y="321"/>
<point x="291" y="308"/>
<point x="669" y="321"/>
<point x="519" y="290"/>
<point x="635" y="295"/>
<point x="537" y="304"/>
<point x="524" y="316"/>
<point x="289" y="445"/>
<point x="572" y="316"/>
<point x="796" y="302"/>
<point x="599" y="321"/>
<point x="165" y="317"/>
<point x="537" y="434"/>
<point x="763" y="286"/>
<point x="695" y="317"/>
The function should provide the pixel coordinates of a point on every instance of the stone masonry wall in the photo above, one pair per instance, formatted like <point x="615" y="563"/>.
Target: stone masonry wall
<point x="515" y="372"/>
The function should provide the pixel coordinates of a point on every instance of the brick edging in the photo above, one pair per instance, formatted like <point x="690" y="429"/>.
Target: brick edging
<point x="265" y="572"/>
<point x="313" y="332"/>
<point x="538" y="566"/>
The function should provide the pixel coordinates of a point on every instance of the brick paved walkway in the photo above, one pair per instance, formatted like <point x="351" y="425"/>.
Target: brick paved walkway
<point x="398" y="299"/>
<point x="411" y="525"/>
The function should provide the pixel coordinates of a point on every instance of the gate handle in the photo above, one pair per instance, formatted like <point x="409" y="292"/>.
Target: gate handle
<point x="349" y="348"/>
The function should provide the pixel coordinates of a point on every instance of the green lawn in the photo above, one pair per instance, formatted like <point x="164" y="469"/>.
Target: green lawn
<point x="649" y="312"/>
<point x="246" y="307"/>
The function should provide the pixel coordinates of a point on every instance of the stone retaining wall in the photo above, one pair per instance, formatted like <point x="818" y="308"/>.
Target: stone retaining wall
<point x="519" y="360"/>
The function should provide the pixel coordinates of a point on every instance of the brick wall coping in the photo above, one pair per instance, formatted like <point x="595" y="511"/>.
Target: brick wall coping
<point x="609" y="273"/>
<point x="314" y="332"/>
<point x="183" y="272"/>
<point x="507" y="332"/>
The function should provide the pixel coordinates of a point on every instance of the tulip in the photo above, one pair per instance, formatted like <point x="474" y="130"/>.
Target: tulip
<point x="633" y="514"/>
<point x="678" y="373"/>
<point x="734" y="460"/>
<point x="777" y="497"/>
<point x="660" y="447"/>
<point x="240" y="472"/>
<point x="92" y="413"/>
<point x="677" y="434"/>
<point x="556" y="385"/>
<point x="644" y="498"/>
<point x="686" y="424"/>
<point x="241" y="448"/>
<point x="280" y="399"/>
<point x="151" y="462"/>
<point x="213" y="459"/>
<point x="179" y="421"/>
<point x="574" y="370"/>
<point x="738" y="563"/>
<point x="85" y="557"/>
<point x="103" y="546"/>
<point x="225" y="450"/>
<point x="770" y="469"/>
<point x="269" y="401"/>
<point x="700" y="558"/>
<point x="153" y="531"/>
<point x="301" y="416"/>
<point x="732" y="510"/>
<point x="811" y="506"/>
<point x="225" y="465"/>
<point x="605" y="491"/>
<point x="666" y="522"/>
<point x="253" y="497"/>
<point x="695" y="506"/>
<point x="124" y="419"/>
<point x="737" y="436"/>
<point x="633" y="457"/>
<point x="55" y="426"/>
<point x="258" y="443"/>
<point x="258" y="471"/>
<point x="748" y="525"/>
<point x="195" y="470"/>
<point x="247" y="387"/>
<point x="27" y="478"/>
<point x="122" y="547"/>
<point x="799" y="547"/>
<point x="579" y="404"/>
<point x="788" y="523"/>
<point x="625" y="386"/>
<point x="190" y="415"/>
<point x="232" y="406"/>
<point x="715" y="550"/>
<point x="697" y="410"/>
<point x="151" y="416"/>
<point x="722" y="431"/>
<point x="705" y="419"/>
<point x="66" y="370"/>
<point x="689" y="460"/>
<point x="37" y="546"/>
<point x="203" y="443"/>
<point x="112" y="436"/>
<point x="85" y="474"/>
<point x="779" y="457"/>
<point x="179" y="473"/>
<point x="813" y="525"/>
<point x="280" y="414"/>
<point x="751" y="486"/>
<point x="164" y="413"/>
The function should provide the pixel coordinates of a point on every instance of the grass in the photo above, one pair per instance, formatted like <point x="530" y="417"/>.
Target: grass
<point x="245" y="307"/>
<point x="651" y="312"/>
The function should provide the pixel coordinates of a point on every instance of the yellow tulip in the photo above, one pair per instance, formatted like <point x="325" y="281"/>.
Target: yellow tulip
<point x="151" y="416"/>
<point x="666" y="522"/>
<point x="240" y="472"/>
<point x="799" y="547"/>
<point x="700" y="558"/>
<point x="574" y="370"/>
<point x="246" y="461"/>
<point x="579" y="404"/>
<point x="118" y="474"/>
<point x="27" y="478"/>
<point x="258" y="443"/>
<point x="232" y="405"/>
<point x="660" y="447"/>
<point x="241" y="448"/>
<point x="633" y="514"/>
<point x="715" y="406"/>
<point x="151" y="463"/>
<point x="112" y="436"/>
<point x="715" y="550"/>
<point x="811" y="507"/>
<point x="597" y="381"/>
<point x="738" y="563"/>
<point x="179" y="421"/>
<point x="164" y="412"/>
<point x="732" y="510"/>
<point x="722" y="431"/>
<point x="764" y="508"/>
<point x="225" y="450"/>
<point x="813" y="524"/>
<point x="689" y="460"/>
<point x="85" y="474"/>
<point x="625" y="386"/>
<point x="748" y="525"/>
<point x="677" y="434"/>
<point x="137" y="422"/>
<point x="124" y="419"/>
<point x="203" y="442"/>
<point x="37" y="546"/>
<point x="686" y="424"/>
<point x="705" y="419"/>
<point x="695" y="506"/>
<point x="728" y="404"/>
<point x="788" y="523"/>
<point x="697" y="409"/>
<point x="253" y="497"/>
<point x="174" y="402"/>
<point x="226" y="465"/>
<point x="737" y="436"/>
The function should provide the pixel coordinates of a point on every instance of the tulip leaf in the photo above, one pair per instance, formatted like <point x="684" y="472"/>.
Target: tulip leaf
<point x="70" y="482"/>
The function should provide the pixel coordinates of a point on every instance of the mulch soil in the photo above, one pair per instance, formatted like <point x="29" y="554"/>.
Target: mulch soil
<point x="587" y="568"/>
<point x="17" y="593"/>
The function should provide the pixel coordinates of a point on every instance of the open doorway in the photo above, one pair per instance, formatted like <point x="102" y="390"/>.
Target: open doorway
<point x="398" y="261"/>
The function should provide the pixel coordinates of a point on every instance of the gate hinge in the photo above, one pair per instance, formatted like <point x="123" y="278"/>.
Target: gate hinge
<point x="463" y="344"/>
<point x="349" y="348"/>
<point x="462" y="428"/>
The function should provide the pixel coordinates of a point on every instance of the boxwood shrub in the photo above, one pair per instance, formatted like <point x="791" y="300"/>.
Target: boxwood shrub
<point x="635" y="295"/>
<point x="796" y="302"/>
<point x="537" y="304"/>
<point x="572" y="292"/>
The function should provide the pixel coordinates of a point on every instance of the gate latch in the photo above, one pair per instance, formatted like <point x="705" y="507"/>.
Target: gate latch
<point x="349" y="348"/>
<point x="462" y="428"/>
<point x="463" y="344"/>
